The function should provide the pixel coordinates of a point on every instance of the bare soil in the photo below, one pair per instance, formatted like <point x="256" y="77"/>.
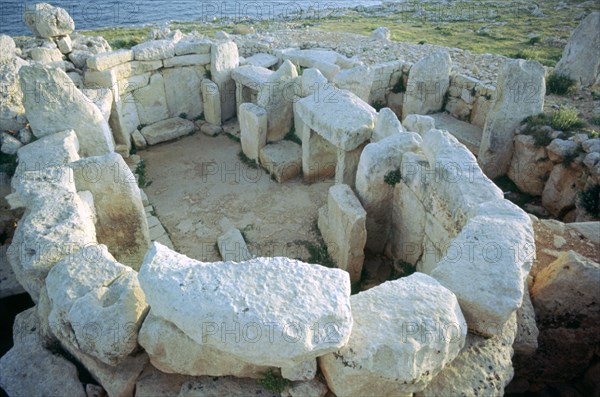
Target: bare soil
<point x="200" y="188"/>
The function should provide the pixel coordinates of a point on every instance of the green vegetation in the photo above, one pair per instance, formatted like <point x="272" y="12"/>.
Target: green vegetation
<point x="200" y="117"/>
<point x="140" y="171"/>
<point x="569" y="158"/>
<point x="392" y="178"/>
<point x="378" y="105"/>
<point x="560" y="85"/>
<point x="589" y="200"/>
<point x="291" y="136"/>
<point x="404" y="269"/>
<point x="183" y="115"/>
<point x="399" y="87"/>
<point x="595" y="119"/>
<point x="318" y="253"/>
<point x="232" y="137"/>
<point x="121" y="37"/>
<point x="247" y="160"/>
<point x="566" y="119"/>
<point x="8" y="163"/>
<point x="274" y="382"/>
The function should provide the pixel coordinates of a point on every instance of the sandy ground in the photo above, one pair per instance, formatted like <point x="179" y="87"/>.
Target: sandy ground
<point x="200" y="188"/>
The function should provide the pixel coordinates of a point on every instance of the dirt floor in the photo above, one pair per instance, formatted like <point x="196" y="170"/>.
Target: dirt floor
<point x="200" y="188"/>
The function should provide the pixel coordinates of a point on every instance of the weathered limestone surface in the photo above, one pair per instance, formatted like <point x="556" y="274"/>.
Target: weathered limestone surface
<point x="120" y="218"/>
<point x="183" y="88"/>
<point x="107" y="60"/>
<point x="502" y="247"/>
<point x="282" y="159"/>
<point x="387" y="124"/>
<point x="151" y="101"/>
<point x="166" y="130"/>
<point x="224" y="58"/>
<point x="342" y="223"/>
<point x="427" y="84"/>
<point x="239" y="297"/>
<point x="397" y="348"/>
<point x="233" y="247"/>
<point x="154" y="50"/>
<point x="212" y="102"/>
<point x="530" y="166"/>
<point x="64" y="107"/>
<point x="521" y="89"/>
<point x="253" y="129"/>
<point x="580" y="60"/>
<point x="45" y="20"/>
<point x="37" y="156"/>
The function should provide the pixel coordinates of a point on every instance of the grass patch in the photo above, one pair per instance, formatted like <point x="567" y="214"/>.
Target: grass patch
<point x="140" y="171"/>
<point x="566" y="119"/>
<point x="232" y="137"/>
<point x="569" y="158"/>
<point x="378" y="105"/>
<point x="183" y="115"/>
<point x="291" y="136"/>
<point x="247" y="160"/>
<point x="392" y="178"/>
<point x="589" y="200"/>
<point x="560" y="85"/>
<point x="399" y="87"/>
<point x="595" y="119"/>
<point x="121" y="37"/>
<point x="274" y="382"/>
<point x="200" y="117"/>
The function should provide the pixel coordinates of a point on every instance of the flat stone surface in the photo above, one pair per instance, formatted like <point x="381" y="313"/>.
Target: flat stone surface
<point x="263" y="60"/>
<point x="466" y="133"/>
<point x="205" y="296"/>
<point x="167" y="130"/>
<point x="283" y="160"/>
<point x="352" y="125"/>
<point x="251" y="76"/>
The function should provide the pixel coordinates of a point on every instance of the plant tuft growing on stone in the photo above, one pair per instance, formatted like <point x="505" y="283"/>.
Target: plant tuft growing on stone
<point x="392" y="178"/>
<point x="247" y="160"/>
<point x="589" y="200"/>
<point x="291" y="136"/>
<point x="560" y="85"/>
<point x="273" y="382"/>
<point x="566" y="119"/>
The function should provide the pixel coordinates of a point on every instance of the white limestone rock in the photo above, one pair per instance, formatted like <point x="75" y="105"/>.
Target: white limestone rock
<point x="65" y="107"/>
<point x="154" y="50"/>
<point x="28" y="368"/>
<point x="376" y="161"/>
<point x="97" y="304"/>
<point x="405" y="332"/>
<point x="262" y="60"/>
<point x="580" y="60"/>
<point x="253" y="129"/>
<point x="47" y="21"/>
<point x="353" y="126"/>
<point x="37" y="156"/>
<point x="223" y="387"/>
<point x="282" y="159"/>
<point x="561" y="189"/>
<point x="558" y="149"/>
<point x="46" y="55"/>
<point x="56" y="222"/>
<point x="187" y="60"/>
<point x="124" y="119"/>
<point x="154" y="383"/>
<point x="307" y="294"/>
<point x="172" y="351"/>
<point x="65" y="44"/>
<point x="184" y="91"/>
<point x="151" y="101"/>
<point x="7" y="48"/>
<point x="138" y="140"/>
<point x="107" y="60"/>
<point x="102" y="98"/>
<point x="386" y="124"/>
<point x="224" y="58"/>
<point x="521" y="89"/>
<point x="494" y="251"/>
<point x="12" y="112"/>
<point x="358" y="80"/>
<point x="419" y="123"/>
<point x="427" y="84"/>
<point x="482" y="368"/>
<point x="10" y="144"/>
<point x="232" y="246"/>
<point x="196" y="46"/>
<point x="312" y="83"/>
<point x="167" y="130"/>
<point x="212" y="102"/>
<point x="312" y="388"/>
<point x="381" y="33"/>
<point x="342" y="224"/>
<point x="121" y="222"/>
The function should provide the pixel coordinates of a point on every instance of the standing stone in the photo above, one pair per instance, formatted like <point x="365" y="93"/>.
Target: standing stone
<point x="520" y="94"/>
<point x="581" y="59"/>
<point x="234" y="302"/>
<point x="224" y="58"/>
<point x="184" y="92"/>
<point x="386" y="124"/>
<point x="121" y="221"/>
<point x="7" y="48"/>
<point x="212" y="102"/>
<point x="530" y="166"/>
<point x="342" y="224"/>
<point x="253" y="129"/>
<point x="405" y="331"/>
<point x="47" y="21"/>
<point x="53" y="104"/>
<point x="560" y="191"/>
<point x="124" y="118"/>
<point x="427" y="84"/>
<point x="233" y="247"/>
<point x="276" y="96"/>
<point x="151" y="101"/>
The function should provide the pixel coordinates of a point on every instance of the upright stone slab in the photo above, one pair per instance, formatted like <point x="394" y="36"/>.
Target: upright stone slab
<point x="124" y="119"/>
<point x="277" y="97"/>
<point x="212" y="102"/>
<point x="581" y="59"/>
<point x="405" y="331"/>
<point x="376" y="161"/>
<point x="53" y="104"/>
<point x="224" y="58"/>
<point x="151" y="101"/>
<point x="386" y="124"/>
<point x="231" y="307"/>
<point x="253" y="129"/>
<point x="233" y="247"/>
<point x="342" y="224"/>
<point x="184" y="92"/>
<point x="319" y="157"/>
<point x="120" y="218"/>
<point x="520" y="94"/>
<point x="428" y="81"/>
